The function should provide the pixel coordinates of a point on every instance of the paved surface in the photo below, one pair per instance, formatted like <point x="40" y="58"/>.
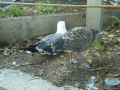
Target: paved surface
<point x="16" y="80"/>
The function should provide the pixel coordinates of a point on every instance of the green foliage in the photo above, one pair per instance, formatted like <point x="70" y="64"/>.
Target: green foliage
<point x="15" y="11"/>
<point x="94" y="65"/>
<point x="96" y="45"/>
<point x="45" y="9"/>
<point x="1" y="13"/>
<point x="116" y="20"/>
<point x="113" y="75"/>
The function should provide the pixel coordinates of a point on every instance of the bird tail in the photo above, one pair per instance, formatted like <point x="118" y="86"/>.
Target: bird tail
<point x="30" y="48"/>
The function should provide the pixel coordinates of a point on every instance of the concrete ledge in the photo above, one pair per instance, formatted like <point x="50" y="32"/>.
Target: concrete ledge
<point x="21" y="28"/>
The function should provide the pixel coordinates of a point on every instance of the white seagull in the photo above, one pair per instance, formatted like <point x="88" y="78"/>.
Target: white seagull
<point x="44" y="46"/>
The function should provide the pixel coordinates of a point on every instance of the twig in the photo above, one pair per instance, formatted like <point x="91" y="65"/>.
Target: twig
<point x="98" y="69"/>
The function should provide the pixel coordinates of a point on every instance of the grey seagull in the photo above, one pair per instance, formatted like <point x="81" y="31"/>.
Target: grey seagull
<point x="77" y="39"/>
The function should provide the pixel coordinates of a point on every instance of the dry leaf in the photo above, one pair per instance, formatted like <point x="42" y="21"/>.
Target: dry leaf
<point x="118" y="39"/>
<point x="111" y="35"/>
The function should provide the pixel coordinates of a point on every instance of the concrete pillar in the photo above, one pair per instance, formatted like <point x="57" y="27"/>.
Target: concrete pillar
<point x="94" y="16"/>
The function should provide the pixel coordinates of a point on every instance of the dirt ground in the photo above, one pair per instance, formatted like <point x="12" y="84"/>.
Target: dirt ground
<point x="60" y="71"/>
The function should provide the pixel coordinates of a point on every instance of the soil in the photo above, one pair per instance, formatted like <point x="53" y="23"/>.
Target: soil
<point x="59" y="70"/>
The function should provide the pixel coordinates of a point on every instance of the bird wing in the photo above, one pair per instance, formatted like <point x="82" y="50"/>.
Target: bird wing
<point x="44" y="44"/>
<point x="75" y="40"/>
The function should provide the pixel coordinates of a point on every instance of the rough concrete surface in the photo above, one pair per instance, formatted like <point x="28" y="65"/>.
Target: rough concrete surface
<point x="16" y="80"/>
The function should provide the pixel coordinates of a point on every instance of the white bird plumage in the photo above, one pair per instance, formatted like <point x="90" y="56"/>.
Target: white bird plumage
<point x="44" y="45"/>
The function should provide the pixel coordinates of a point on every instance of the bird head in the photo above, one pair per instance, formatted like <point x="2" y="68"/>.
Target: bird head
<point x="96" y="32"/>
<point x="61" y="27"/>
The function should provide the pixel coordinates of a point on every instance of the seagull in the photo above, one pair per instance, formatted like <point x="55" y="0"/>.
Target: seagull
<point x="43" y="46"/>
<point x="77" y="39"/>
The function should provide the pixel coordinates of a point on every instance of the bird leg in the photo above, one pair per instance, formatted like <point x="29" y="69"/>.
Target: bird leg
<point x="70" y="52"/>
<point x="81" y="56"/>
<point x="71" y="57"/>
<point x="73" y="61"/>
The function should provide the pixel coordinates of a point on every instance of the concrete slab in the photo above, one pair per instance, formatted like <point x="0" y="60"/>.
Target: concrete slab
<point x="16" y="80"/>
<point x="20" y="28"/>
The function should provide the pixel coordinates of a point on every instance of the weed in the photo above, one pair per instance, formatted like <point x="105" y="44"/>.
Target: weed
<point x="96" y="45"/>
<point x="116" y="21"/>
<point x="2" y="14"/>
<point x="15" y="11"/>
<point x="45" y="9"/>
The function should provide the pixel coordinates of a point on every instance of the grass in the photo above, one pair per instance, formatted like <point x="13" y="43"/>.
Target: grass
<point x="2" y="14"/>
<point x="45" y="9"/>
<point x="116" y="21"/>
<point x="15" y="11"/>
<point x="96" y="45"/>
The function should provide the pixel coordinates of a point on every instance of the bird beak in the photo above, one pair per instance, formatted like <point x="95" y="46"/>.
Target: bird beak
<point x="101" y="32"/>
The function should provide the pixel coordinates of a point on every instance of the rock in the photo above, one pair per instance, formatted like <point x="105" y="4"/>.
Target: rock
<point x="6" y="53"/>
<point x="86" y="66"/>
<point x="91" y="85"/>
<point x="77" y="84"/>
<point x="73" y="61"/>
<point x="112" y="82"/>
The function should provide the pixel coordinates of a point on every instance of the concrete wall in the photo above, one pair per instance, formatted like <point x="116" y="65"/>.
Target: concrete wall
<point x="21" y="28"/>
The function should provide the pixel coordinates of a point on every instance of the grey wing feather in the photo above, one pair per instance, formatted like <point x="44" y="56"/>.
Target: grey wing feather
<point x="57" y="46"/>
<point x="44" y="44"/>
<point x="46" y="38"/>
<point x="77" y="39"/>
<point x="52" y="37"/>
